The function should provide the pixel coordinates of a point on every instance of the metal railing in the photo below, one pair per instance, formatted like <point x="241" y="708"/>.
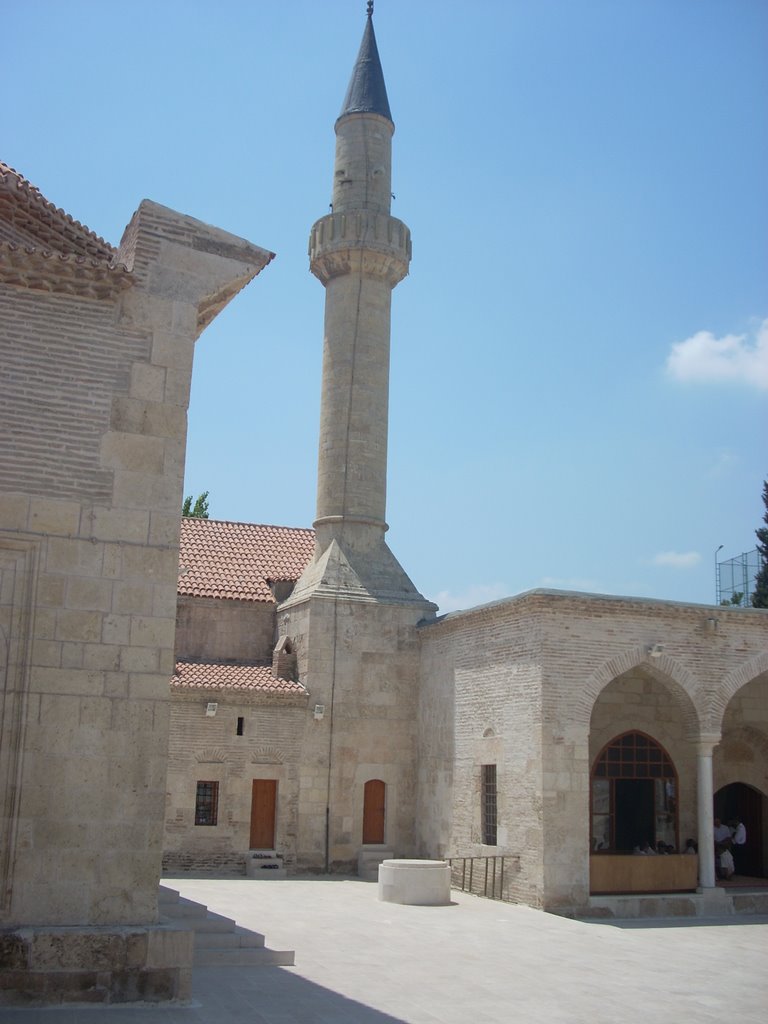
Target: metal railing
<point x="491" y="877"/>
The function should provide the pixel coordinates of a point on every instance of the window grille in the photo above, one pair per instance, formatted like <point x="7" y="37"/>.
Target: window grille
<point x="489" y="804"/>
<point x="633" y="757"/>
<point x="207" y="803"/>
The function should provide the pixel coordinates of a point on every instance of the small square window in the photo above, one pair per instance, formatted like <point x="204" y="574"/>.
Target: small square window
<point x="207" y="803"/>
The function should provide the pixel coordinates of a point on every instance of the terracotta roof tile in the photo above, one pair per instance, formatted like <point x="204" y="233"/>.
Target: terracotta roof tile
<point x="47" y="226"/>
<point x="214" y="676"/>
<point x="235" y="561"/>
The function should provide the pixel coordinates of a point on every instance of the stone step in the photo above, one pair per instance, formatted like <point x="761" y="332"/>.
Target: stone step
<point x="219" y="941"/>
<point x="264" y="865"/>
<point x="213" y="923"/>
<point x="234" y="939"/>
<point x="368" y="862"/>
<point x="167" y="895"/>
<point x="261" y="957"/>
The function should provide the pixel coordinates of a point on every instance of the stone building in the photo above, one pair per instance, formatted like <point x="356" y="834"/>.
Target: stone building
<point x="97" y="347"/>
<point x="238" y="712"/>
<point x="318" y="708"/>
<point x="340" y="718"/>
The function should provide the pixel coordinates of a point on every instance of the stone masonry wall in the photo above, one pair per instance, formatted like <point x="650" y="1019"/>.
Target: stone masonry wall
<point x="95" y="413"/>
<point x="492" y="656"/>
<point x="550" y="677"/>
<point x="211" y="630"/>
<point x="360" y="661"/>
<point x="209" y="750"/>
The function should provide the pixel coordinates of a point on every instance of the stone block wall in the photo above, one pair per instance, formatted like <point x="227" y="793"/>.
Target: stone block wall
<point x="92" y="444"/>
<point x="359" y="661"/>
<point x="208" y="749"/>
<point x="539" y="683"/>
<point x="209" y="629"/>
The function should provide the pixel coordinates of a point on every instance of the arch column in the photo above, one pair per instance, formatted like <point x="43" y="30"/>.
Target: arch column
<point x="705" y="799"/>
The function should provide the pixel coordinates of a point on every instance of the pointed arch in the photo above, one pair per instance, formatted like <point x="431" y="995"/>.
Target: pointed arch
<point x="734" y="681"/>
<point x="633" y="794"/>
<point x="735" y="759"/>
<point x="687" y="693"/>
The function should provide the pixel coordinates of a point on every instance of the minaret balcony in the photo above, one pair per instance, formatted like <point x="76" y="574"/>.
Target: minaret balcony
<point x="360" y="241"/>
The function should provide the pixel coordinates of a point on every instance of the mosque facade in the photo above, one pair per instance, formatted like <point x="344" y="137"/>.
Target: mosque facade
<point x="321" y="716"/>
<point x="556" y="730"/>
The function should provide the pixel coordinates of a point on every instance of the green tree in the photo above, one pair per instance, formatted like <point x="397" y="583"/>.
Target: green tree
<point x="760" y="593"/>
<point x="198" y="510"/>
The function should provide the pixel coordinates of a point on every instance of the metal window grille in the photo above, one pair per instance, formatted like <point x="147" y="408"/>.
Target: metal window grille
<point x="489" y="804"/>
<point x="207" y="803"/>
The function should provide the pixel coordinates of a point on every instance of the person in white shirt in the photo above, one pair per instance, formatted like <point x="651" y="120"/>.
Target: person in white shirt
<point x="722" y="832"/>
<point x="738" y="843"/>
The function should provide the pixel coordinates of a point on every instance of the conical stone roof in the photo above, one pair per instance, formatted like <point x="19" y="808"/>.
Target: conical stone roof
<point x="367" y="93"/>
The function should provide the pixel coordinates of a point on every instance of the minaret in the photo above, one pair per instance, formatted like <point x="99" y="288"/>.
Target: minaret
<point x="353" y="617"/>
<point x="359" y="253"/>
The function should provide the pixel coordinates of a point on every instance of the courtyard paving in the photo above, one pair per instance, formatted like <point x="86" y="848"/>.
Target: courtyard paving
<point x="359" y="961"/>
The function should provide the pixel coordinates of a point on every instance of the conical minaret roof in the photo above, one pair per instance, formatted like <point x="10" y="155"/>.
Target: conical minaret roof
<point x="367" y="93"/>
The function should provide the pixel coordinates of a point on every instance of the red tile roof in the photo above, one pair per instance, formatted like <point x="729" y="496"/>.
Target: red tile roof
<point x="252" y="678"/>
<point x="235" y="561"/>
<point x="41" y="224"/>
<point x="44" y="249"/>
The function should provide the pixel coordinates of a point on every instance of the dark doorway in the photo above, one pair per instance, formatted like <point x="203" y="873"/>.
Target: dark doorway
<point x="742" y="801"/>
<point x="635" y="824"/>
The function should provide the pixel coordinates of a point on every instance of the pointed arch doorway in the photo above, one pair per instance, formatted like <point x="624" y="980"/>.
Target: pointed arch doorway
<point x="634" y="795"/>
<point x="738" y="800"/>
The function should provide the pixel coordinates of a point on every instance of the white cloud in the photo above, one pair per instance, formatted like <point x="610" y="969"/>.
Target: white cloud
<point x="723" y="464"/>
<point x="677" y="559"/>
<point x="740" y="358"/>
<point x="476" y="593"/>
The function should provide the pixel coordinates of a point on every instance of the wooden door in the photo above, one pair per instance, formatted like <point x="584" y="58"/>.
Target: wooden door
<point x="373" y="811"/>
<point x="263" y="807"/>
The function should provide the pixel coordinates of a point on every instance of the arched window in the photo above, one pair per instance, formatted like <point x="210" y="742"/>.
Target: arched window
<point x="633" y="795"/>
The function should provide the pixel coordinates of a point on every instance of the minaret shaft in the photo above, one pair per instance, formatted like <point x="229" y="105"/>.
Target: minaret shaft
<point x="360" y="253"/>
<point x="352" y="464"/>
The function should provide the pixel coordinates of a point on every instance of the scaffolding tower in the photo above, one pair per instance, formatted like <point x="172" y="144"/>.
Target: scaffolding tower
<point x="735" y="578"/>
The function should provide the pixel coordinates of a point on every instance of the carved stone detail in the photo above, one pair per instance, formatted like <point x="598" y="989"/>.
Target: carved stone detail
<point x="361" y="241"/>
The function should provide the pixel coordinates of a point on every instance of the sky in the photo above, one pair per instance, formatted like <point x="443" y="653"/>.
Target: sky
<point x="579" y="373"/>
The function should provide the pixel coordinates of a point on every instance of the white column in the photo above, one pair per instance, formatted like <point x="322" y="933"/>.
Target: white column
<point x="705" y="794"/>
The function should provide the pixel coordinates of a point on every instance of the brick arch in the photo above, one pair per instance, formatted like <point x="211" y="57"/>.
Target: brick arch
<point x="211" y="755"/>
<point x="268" y="755"/>
<point x="734" y="681"/>
<point x="686" y="692"/>
<point x="756" y="740"/>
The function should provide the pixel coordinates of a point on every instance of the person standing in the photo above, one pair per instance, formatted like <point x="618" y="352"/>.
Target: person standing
<point x="738" y="844"/>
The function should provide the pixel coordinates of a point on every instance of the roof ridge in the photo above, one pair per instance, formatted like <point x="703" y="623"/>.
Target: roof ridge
<point x="240" y="522"/>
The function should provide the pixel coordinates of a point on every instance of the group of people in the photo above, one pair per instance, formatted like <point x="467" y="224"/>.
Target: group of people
<point x="730" y="841"/>
<point x="645" y="849"/>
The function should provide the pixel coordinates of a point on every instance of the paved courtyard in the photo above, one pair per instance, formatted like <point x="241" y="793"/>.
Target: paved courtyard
<point x="359" y="961"/>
